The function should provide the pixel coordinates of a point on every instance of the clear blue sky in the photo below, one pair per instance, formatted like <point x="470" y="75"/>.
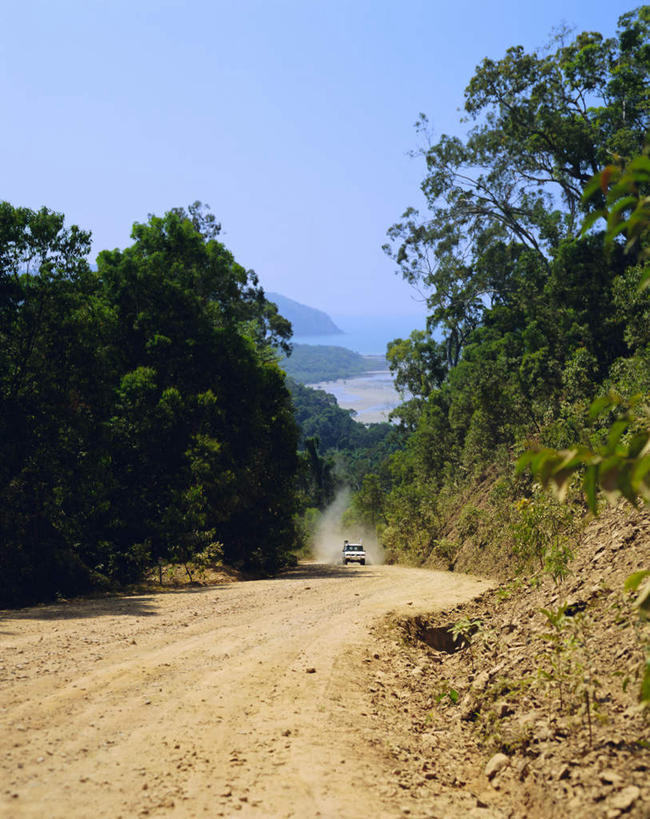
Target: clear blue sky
<point x="291" y="119"/>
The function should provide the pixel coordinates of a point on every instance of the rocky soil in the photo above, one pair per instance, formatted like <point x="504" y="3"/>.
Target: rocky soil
<point x="516" y="717"/>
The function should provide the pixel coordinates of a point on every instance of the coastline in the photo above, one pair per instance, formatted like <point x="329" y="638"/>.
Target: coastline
<point x="372" y="395"/>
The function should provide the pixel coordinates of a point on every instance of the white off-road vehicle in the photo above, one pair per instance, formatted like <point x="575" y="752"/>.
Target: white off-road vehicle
<point x="353" y="553"/>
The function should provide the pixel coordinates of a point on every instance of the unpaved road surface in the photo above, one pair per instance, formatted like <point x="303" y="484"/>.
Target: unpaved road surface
<point x="242" y="699"/>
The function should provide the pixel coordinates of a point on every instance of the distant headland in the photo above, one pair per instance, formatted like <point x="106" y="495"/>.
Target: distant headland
<point x="306" y="321"/>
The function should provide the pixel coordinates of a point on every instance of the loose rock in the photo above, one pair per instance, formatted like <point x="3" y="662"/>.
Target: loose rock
<point x="623" y="800"/>
<point x="496" y="764"/>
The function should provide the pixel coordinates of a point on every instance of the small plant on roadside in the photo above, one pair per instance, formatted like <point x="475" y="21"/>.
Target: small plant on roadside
<point x="447" y="694"/>
<point x="208" y="558"/>
<point x="510" y="589"/>
<point x="571" y="665"/>
<point x="562" y="645"/>
<point x="472" y="633"/>
<point x="491" y="709"/>
<point x="467" y="631"/>
<point x="557" y="558"/>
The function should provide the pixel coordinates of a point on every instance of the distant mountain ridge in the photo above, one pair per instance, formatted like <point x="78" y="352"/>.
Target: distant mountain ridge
<point x="306" y="321"/>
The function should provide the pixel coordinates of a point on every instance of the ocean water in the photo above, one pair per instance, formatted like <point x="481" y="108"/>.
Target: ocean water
<point x="367" y="335"/>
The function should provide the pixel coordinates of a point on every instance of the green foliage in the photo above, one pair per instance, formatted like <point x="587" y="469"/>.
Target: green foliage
<point x="505" y="198"/>
<point x="369" y="501"/>
<point x="466" y="631"/>
<point x="619" y="467"/>
<point x="447" y="550"/>
<point x="568" y="664"/>
<point x="319" y="416"/>
<point x="417" y="363"/>
<point x="542" y="530"/>
<point x="446" y="692"/>
<point x="469" y="521"/>
<point x="317" y="480"/>
<point x="142" y="414"/>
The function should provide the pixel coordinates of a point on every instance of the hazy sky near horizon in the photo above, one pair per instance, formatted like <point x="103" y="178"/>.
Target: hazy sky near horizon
<point x="292" y="120"/>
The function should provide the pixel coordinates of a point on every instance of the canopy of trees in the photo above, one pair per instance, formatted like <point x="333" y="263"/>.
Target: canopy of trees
<point x="142" y="412"/>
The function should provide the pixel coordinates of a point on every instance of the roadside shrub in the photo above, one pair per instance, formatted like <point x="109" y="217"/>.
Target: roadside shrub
<point x="541" y="531"/>
<point x="448" y="550"/>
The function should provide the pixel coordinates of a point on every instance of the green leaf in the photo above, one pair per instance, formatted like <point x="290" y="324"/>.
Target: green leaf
<point x="620" y="205"/>
<point x="639" y="163"/>
<point x="639" y="444"/>
<point x="609" y="472"/>
<point x="640" y="470"/>
<point x="594" y="184"/>
<point x="525" y="460"/>
<point x="614" y="228"/>
<point x="591" y="219"/>
<point x="633" y="581"/>
<point x="599" y="405"/>
<point x="642" y="602"/>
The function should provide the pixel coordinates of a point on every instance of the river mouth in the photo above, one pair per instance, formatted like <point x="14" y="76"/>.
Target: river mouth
<point x="372" y="396"/>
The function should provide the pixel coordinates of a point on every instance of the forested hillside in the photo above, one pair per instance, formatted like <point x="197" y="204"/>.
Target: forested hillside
<point x="311" y="363"/>
<point x="537" y="315"/>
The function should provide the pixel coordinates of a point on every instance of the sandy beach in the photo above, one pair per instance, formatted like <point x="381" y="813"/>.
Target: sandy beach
<point x="372" y="395"/>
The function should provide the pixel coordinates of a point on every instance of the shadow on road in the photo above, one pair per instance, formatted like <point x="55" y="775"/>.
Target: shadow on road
<point x="84" y="608"/>
<point x="145" y="604"/>
<point x="322" y="571"/>
<point x="132" y="605"/>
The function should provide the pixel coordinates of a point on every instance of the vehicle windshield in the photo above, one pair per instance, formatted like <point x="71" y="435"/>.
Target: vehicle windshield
<point x="353" y="547"/>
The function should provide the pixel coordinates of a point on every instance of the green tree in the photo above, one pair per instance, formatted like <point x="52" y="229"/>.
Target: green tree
<point x="544" y="124"/>
<point x="53" y="359"/>
<point x="203" y="426"/>
<point x="534" y="318"/>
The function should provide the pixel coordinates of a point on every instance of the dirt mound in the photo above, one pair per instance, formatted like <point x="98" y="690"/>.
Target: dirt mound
<point x="522" y="713"/>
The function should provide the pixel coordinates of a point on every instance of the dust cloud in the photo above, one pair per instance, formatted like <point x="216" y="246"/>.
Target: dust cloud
<point x="327" y="546"/>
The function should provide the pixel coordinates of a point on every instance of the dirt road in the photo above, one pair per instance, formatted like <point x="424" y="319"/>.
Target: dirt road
<point x="243" y="699"/>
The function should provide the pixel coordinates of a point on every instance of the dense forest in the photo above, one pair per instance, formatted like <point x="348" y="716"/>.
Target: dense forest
<point x="144" y="416"/>
<point x="537" y="315"/>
